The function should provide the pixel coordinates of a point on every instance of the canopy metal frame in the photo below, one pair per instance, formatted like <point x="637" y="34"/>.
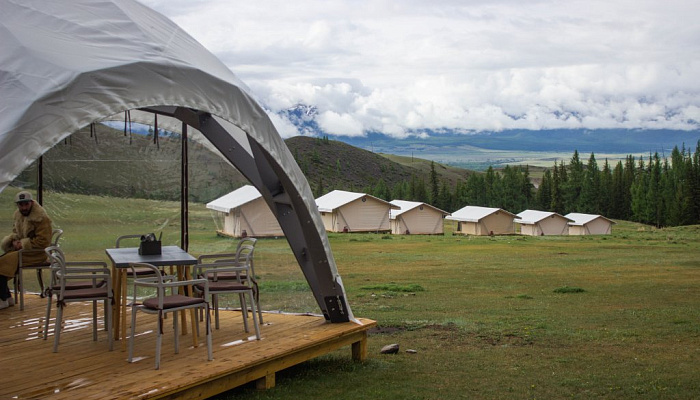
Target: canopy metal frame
<point x="280" y="194"/>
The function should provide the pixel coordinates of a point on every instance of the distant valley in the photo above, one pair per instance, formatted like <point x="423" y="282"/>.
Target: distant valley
<point x="536" y="148"/>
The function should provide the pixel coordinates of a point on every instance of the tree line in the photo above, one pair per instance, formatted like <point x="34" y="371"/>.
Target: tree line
<point x="653" y="190"/>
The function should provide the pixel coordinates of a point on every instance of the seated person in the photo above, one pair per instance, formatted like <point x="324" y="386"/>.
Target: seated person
<point x="31" y="230"/>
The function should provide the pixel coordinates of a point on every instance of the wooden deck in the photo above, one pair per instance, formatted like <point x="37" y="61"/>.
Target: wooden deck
<point x="83" y="369"/>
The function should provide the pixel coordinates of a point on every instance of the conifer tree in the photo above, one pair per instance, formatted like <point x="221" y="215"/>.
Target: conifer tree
<point x="590" y="186"/>
<point x="434" y="185"/>
<point x="557" y="200"/>
<point x="573" y="185"/>
<point x="618" y="208"/>
<point x="544" y="192"/>
<point x="605" y="190"/>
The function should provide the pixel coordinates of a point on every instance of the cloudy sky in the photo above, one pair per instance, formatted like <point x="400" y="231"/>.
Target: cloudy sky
<point x="399" y="67"/>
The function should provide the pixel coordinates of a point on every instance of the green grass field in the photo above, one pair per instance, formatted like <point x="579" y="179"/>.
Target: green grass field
<point x="508" y="317"/>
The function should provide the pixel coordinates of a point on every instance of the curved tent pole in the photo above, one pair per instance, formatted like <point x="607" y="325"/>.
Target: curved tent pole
<point x="286" y="203"/>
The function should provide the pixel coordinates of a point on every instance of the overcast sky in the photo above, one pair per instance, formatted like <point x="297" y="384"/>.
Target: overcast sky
<point x="398" y="67"/>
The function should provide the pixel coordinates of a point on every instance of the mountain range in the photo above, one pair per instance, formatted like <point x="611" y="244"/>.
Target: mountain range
<point x="480" y="149"/>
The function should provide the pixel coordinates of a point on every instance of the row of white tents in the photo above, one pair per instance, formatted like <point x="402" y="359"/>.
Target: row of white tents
<point x="244" y="213"/>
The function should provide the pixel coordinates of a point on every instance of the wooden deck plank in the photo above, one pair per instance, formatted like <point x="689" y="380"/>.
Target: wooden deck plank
<point x="89" y="371"/>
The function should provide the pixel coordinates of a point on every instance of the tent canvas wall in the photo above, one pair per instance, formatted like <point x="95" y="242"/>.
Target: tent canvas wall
<point x="245" y="213"/>
<point x="589" y="224"/>
<point x="67" y="64"/>
<point x="540" y="223"/>
<point x="343" y="211"/>
<point x="474" y="220"/>
<point x="416" y="218"/>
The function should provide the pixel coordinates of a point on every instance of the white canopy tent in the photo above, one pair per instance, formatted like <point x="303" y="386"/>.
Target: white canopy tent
<point x="67" y="64"/>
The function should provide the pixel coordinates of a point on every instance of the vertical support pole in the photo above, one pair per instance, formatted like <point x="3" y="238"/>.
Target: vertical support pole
<point x="40" y="181"/>
<point x="184" y="195"/>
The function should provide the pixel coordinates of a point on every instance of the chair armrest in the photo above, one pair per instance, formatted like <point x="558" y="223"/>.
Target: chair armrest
<point x="31" y="250"/>
<point x="220" y="256"/>
<point x="79" y="263"/>
<point x="85" y="276"/>
<point x="190" y="282"/>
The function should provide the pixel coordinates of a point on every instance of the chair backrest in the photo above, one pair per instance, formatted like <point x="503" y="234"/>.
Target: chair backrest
<point x="57" y="259"/>
<point x="56" y="256"/>
<point x="244" y="255"/>
<point x="246" y="241"/>
<point x="55" y="236"/>
<point x="211" y="270"/>
<point x="123" y="237"/>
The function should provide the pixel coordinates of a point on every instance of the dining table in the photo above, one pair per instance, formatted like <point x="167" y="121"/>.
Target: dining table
<point x="122" y="257"/>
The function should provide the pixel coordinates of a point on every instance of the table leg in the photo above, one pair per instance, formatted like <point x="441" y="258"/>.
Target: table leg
<point x="193" y="312"/>
<point x="181" y="275"/>
<point x="123" y="306"/>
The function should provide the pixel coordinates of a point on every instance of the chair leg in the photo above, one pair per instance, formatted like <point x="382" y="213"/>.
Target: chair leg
<point x="94" y="320"/>
<point x="108" y="324"/>
<point x="210" y="355"/>
<point x="215" y="301"/>
<point x="256" y="296"/>
<point x="40" y="279"/>
<point x="244" y="311"/>
<point x="256" y="323"/>
<point x="175" y="330"/>
<point x="133" y="334"/>
<point x="48" y="315"/>
<point x="20" y="288"/>
<point x="57" y="328"/>
<point x="159" y="339"/>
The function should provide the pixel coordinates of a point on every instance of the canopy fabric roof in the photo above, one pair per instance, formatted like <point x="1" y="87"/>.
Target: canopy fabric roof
<point x="68" y="63"/>
<point x="338" y="198"/>
<point x="243" y="195"/>
<point x="579" y="219"/>
<point x="475" y="213"/>
<point x="405" y="206"/>
<point x="530" y="217"/>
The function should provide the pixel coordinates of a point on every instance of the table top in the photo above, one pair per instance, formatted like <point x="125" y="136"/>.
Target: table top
<point x="170" y="255"/>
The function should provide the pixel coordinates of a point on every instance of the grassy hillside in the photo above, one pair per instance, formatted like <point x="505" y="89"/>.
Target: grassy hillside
<point x="341" y="166"/>
<point x="116" y="165"/>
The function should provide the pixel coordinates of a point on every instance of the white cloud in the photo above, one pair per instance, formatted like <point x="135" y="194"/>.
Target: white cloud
<point x="284" y="127"/>
<point x="339" y="124"/>
<point x="396" y="67"/>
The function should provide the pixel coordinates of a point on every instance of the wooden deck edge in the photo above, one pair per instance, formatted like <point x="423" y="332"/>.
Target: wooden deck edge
<point x="264" y="372"/>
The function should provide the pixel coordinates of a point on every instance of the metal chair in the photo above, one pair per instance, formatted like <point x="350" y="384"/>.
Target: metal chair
<point x="163" y="303"/>
<point x="227" y="268"/>
<point x="38" y="267"/>
<point x="78" y="281"/>
<point x="245" y="252"/>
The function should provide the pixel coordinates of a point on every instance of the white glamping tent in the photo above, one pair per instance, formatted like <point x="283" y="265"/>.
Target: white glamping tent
<point x="474" y="220"/>
<point x="589" y="224"/>
<point x="541" y="223"/>
<point x="245" y="213"/>
<point x="343" y="211"/>
<point x="66" y="64"/>
<point x="416" y="218"/>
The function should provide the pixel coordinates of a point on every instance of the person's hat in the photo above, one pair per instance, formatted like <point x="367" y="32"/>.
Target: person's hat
<point x="23" y="197"/>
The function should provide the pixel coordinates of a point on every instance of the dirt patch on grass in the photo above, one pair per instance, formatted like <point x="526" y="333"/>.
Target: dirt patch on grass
<point x="383" y="330"/>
